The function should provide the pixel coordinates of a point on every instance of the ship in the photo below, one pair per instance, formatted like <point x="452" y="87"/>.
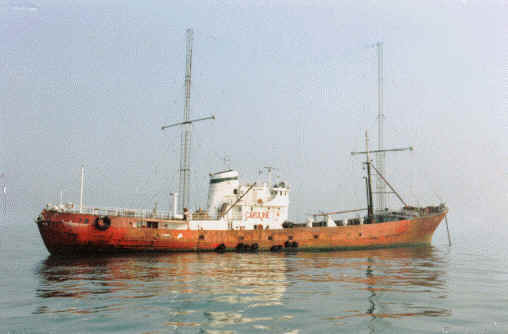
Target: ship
<point x="240" y="216"/>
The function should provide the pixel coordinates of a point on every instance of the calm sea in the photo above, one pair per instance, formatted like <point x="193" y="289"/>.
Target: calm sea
<point x="436" y="289"/>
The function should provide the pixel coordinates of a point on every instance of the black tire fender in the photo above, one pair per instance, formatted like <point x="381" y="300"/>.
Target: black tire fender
<point x="102" y="223"/>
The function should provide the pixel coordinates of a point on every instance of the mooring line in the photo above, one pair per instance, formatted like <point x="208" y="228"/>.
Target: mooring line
<point x="448" y="231"/>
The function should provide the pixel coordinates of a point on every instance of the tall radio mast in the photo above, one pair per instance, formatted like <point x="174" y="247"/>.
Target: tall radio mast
<point x="380" y="155"/>
<point x="184" y="182"/>
<point x="184" y="171"/>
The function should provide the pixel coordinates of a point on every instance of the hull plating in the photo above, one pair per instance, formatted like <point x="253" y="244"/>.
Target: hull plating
<point x="67" y="233"/>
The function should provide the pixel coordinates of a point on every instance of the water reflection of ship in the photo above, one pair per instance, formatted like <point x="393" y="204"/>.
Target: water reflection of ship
<point x="369" y="283"/>
<point x="381" y="273"/>
<point x="230" y="278"/>
<point x="409" y="263"/>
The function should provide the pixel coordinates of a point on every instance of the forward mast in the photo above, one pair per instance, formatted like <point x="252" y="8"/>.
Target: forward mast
<point x="186" y="136"/>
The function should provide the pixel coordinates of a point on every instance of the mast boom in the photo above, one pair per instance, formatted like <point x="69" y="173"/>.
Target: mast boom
<point x="164" y="127"/>
<point x="410" y="148"/>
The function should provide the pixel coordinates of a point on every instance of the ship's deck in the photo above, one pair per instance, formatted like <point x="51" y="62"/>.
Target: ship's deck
<point x="138" y="213"/>
<point x="382" y="216"/>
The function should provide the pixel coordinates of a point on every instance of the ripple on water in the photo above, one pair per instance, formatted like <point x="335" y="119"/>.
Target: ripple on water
<point x="424" y="290"/>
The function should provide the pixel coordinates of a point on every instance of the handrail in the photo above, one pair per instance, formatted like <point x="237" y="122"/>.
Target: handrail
<point x="138" y="213"/>
<point x="238" y="200"/>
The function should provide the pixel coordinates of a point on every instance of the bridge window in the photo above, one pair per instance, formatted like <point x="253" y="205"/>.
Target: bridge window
<point x="152" y="224"/>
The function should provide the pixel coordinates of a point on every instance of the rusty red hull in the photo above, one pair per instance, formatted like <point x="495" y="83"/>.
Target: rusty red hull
<point x="71" y="233"/>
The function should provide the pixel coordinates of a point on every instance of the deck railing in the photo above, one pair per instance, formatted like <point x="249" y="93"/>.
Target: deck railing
<point x="139" y="213"/>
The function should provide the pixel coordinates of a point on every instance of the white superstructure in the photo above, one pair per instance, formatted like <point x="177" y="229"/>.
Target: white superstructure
<point x="232" y="205"/>
<point x="222" y="191"/>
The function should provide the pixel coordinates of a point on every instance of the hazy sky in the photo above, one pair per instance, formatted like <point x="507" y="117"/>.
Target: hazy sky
<point x="292" y="84"/>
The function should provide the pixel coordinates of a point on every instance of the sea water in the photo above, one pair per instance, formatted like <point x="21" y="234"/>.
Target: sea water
<point x="435" y="289"/>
